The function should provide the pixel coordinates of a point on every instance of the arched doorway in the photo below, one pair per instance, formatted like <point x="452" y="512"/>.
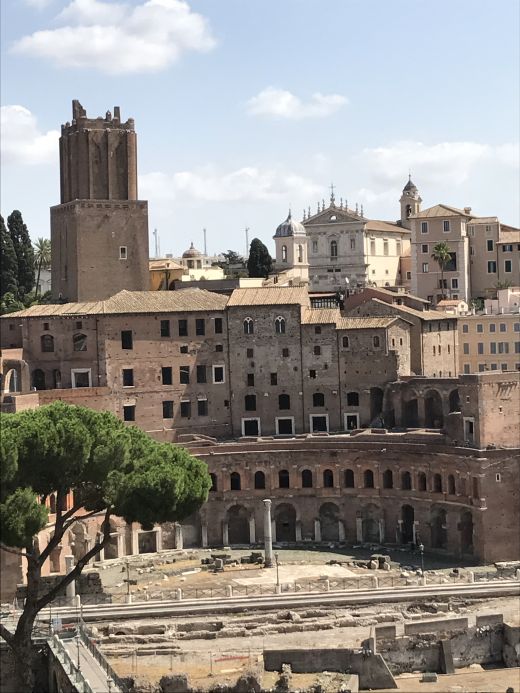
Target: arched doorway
<point x="376" y="406"/>
<point x="238" y="525"/>
<point x="466" y="531"/>
<point x="433" y="416"/>
<point x="439" y="538"/>
<point x="111" y="549"/>
<point x="285" y="519"/>
<point x="329" y="522"/>
<point x="38" y="379"/>
<point x="410" y="413"/>
<point x="12" y="381"/>
<point x="407" y="524"/>
<point x="370" y="523"/>
<point x="454" y="401"/>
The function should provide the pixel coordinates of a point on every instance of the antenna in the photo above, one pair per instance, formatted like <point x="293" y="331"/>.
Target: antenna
<point x="205" y="246"/>
<point x="247" y="241"/>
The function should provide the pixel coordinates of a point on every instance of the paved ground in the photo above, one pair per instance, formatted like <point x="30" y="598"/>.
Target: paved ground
<point x="473" y="679"/>
<point x="91" y="670"/>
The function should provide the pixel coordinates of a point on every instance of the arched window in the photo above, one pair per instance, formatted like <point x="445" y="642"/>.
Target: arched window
<point x="214" y="486"/>
<point x="38" y="379"/>
<point x="284" y="402"/>
<point x="235" y="481"/>
<point x="353" y="399"/>
<point x="318" y="399"/>
<point x="376" y="342"/>
<point x="349" y="478"/>
<point x="451" y="485"/>
<point x="279" y="325"/>
<point x="306" y="478"/>
<point x="421" y="481"/>
<point x="47" y="342"/>
<point x="406" y="481"/>
<point x="259" y="480"/>
<point x="250" y="402"/>
<point x="346" y="342"/>
<point x="248" y="326"/>
<point x="328" y="478"/>
<point x="283" y="478"/>
<point x="437" y="483"/>
<point x="79" y="342"/>
<point x="52" y="503"/>
<point x="333" y="249"/>
<point x="368" y="478"/>
<point x="388" y="479"/>
<point x="300" y="253"/>
<point x="284" y="253"/>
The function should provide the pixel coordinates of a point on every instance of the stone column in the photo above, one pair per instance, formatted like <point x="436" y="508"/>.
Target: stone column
<point x="158" y="538"/>
<point x="298" y="528"/>
<point x="135" y="541"/>
<point x="414" y="530"/>
<point x="317" y="530"/>
<point x="120" y="544"/>
<point x="252" y="530"/>
<point x="178" y="537"/>
<point x="273" y="531"/>
<point x="225" y="533"/>
<point x="381" y="530"/>
<point x="71" y="587"/>
<point x="204" y="532"/>
<point x="341" y="530"/>
<point x="399" y="532"/>
<point x="359" y="529"/>
<point x="268" y="534"/>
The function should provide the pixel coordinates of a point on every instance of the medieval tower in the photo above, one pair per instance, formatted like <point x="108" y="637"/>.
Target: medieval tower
<point x="99" y="232"/>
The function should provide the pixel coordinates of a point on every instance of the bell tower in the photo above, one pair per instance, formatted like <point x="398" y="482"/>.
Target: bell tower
<point x="410" y="203"/>
<point x="99" y="232"/>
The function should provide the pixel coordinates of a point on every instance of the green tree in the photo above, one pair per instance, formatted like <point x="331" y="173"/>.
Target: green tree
<point x="9" y="266"/>
<point x="24" y="253"/>
<point x="42" y="259"/>
<point x="113" y="470"/>
<point x="259" y="263"/>
<point x="9" y="303"/>
<point x="442" y="256"/>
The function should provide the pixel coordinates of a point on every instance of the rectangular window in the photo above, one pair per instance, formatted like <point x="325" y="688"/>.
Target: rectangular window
<point x="481" y="367"/>
<point x="317" y="350"/>
<point x="465" y="348"/>
<point x="516" y="327"/>
<point x="488" y="229"/>
<point x="129" y="412"/>
<point x="165" y="328"/>
<point x="504" y="366"/>
<point x="183" y="328"/>
<point x="446" y="226"/>
<point x="201" y="374"/>
<point x="494" y="367"/>
<point x="466" y="368"/>
<point x="372" y="247"/>
<point x="408" y="275"/>
<point x="424" y="248"/>
<point x="424" y="227"/>
<point x="315" y="246"/>
<point x="274" y="378"/>
<point x="183" y="349"/>
<point x="385" y="247"/>
<point x="454" y="283"/>
<point x="480" y="327"/>
<point x="508" y="266"/>
<point x="517" y="347"/>
<point x="465" y="329"/>
<point x="200" y="326"/>
<point x="185" y="409"/>
<point x="489" y="245"/>
<point x="46" y="326"/>
<point x="167" y="409"/>
<point x="219" y="347"/>
<point x="81" y="377"/>
<point x="127" y="339"/>
<point x="480" y="348"/>
<point x="123" y="252"/>
<point x="218" y="325"/>
<point x="503" y="327"/>
<point x="507" y="248"/>
<point x="425" y="267"/>
<point x="492" y="347"/>
<point x="312" y="374"/>
<point x="128" y="377"/>
<point x="79" y="325"/>
<point x="184" y="375"/>
<point x="166" y="375"/>
<point x="219" y="374"/>
<point x="202" y="407"/>
<point x="250" y="353"/>
<point x="398" y="247"/>
<point x="250" y="379"/>
<point x="492" y="327"/>
<point x="352" y="244"/>
<point x="285" y="353"/>
<point x="492" y="267"/>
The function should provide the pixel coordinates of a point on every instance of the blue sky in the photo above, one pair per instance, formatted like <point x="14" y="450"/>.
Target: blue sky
<point x="246" y="107"/>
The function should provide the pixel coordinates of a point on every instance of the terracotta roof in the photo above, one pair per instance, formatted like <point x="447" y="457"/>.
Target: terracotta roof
<point x="320" y="316"/>
<point x="387" y="226"/>
<point x="450" y="302"/>
<point x="165" y="263"/>
<point x="441" y="211"/>
<point x="365" y="323"/>
<point x="270" y="296"/>
<point x="181" y="301"/>
<point x="422" y="314"/>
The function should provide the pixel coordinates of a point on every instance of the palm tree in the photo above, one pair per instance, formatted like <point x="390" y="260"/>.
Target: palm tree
<point x="42" y="258"/>
<point x="442" y="256"/>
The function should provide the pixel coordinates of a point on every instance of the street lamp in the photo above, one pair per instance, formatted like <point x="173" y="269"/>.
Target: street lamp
<point x="277" y="573"/>
<point x="421" y="551"/>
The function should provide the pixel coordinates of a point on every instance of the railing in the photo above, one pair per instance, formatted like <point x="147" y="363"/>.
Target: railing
<point x="100" y="657"/>
<point x="61" y="654"/>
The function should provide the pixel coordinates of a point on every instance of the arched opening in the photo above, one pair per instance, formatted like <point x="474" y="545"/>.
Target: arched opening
<point x="279" y="325"/>
<point x="47" y="343"/>
<point x="407" y="524"/>
<point x="12" y="382"/>
<point x="307" y="478"/>
<point x="259" y="479"/>
<point x="451" y="485"/>
<point x="466" y="531"/>
<point x="439" y="528"/>
<point x="283" y="478"/>
<point x="238" y="525"/>
<point x="349" y="478"/>
<point x="370" y="523"/>
<point x="433" y="416"/>
<point x="147" y="542"/>
<point x="388" y="479"/>
<point x="111" y="549"/>
<point x="56" y="379"/>
<point x="368" y="478"/>
<point x="191" y="531"/>
<point x="329" y="522"/>
<point x="421" y="481"/>
<point x="376" y="406"/>
<point x="318" y="399"/>
<point x="235" y="482"/>
<point x="410" y="413"/>
<point x="79" y="342"/>
<point x="248" y="326"/>
<point x="79" y="541"/>
<point x="300" y="253"/>
<point x="285" y="521"/>
<point x="406" y="481"/>
<point x="52" y="503"/>
<point x="328" y="478"/>
<point x="214" y="482"/>
<point x="284" y="402"/>
<point x="454" y="401"/>
<point x="437" y="483"/>
<point x="38" y="379"/>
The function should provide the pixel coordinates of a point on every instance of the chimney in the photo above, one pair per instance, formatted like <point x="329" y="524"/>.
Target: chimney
<point x="467" y="210"/>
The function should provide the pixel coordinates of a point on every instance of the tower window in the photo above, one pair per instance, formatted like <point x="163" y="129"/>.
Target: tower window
<point x="333" y="249"/>
<point x="123" y="252"/>
<point x="284" y="253"/>
<point x="279" y="325"/>
<point x="127" y="341"/>
<point x="248" y="326"/>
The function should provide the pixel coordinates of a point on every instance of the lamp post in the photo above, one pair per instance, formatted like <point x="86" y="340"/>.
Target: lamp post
<point x="277" y="573"/>
<point x="110" y="681"/>
<point x="421" y="551"/>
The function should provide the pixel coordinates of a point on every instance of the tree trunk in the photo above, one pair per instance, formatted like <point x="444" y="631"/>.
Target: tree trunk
<point x="38" y="278"/>
<point x="23" y="650"/>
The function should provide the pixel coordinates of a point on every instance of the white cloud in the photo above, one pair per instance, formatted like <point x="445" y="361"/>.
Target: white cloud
<point x="38" y="4"/>
<point x="280" y="103"/>
<point x="208" y="184"/>
<point x="22" y="142"/>
<point x="445" y="162"/>
<point x="118" y="38"/>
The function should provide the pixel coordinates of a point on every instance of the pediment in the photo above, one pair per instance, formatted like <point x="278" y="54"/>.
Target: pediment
<point x="333" y="215"/>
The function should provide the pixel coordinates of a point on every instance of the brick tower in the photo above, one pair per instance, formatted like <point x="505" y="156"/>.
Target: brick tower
<point x="99" y="232"/>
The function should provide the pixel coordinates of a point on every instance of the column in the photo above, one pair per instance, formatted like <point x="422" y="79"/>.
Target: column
<point x="273" y="531"/>
<point x="204" y="532"/>
<point x="341" y="530"/>
<point x="317" y="530"/>
<point x="268" y="534"/>
<point x="381" y="530"/>
<point x="135" y="540"/>
<point x="225" y="533"/>
<point x="414" y="531"/>
<point x="399" y="532"/>
<point x="298" y="528"/>
<point x="359" y="529"/>
<point x="120" y="544"/>
<point x="71" y="587"/>
<point x="178" y="537"/>
<point x="101" y="551"/>
<point x="252" y="530"/>
<point x="158" y="538"/>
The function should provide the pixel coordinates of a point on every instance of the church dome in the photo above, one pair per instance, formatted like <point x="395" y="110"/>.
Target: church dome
<point x="192" y="252"/>
<point x="289" y="227"/>
<point x="410" y="186"/>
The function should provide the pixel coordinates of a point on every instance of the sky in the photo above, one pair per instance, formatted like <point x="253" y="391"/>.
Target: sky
<point x="246" y="108"/>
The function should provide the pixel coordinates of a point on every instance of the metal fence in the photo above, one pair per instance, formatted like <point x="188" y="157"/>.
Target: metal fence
<point x="99" y="656"/>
